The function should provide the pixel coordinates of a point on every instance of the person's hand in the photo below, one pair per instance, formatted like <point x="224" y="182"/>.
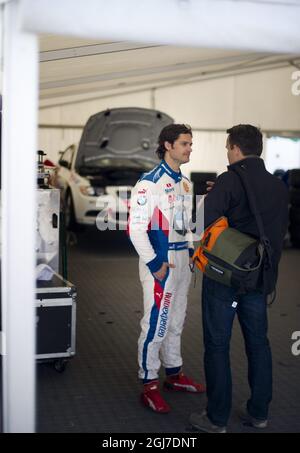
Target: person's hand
<point x="160" y="275"/>
<point x="210" y="185"/>
<point x="191" y="264"/>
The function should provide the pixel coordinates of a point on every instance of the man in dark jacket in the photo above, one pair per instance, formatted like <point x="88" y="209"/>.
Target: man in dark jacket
<point x="220" y="303"/>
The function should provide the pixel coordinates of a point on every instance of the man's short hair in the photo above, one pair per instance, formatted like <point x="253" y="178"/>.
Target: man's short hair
<point x="170" y="134"/>
<point x="248" y="138"/>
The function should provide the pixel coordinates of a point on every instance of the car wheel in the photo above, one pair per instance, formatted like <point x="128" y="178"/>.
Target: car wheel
<point x="70" y="220"/>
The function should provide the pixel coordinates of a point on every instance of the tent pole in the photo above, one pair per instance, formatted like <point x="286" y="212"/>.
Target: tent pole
<point x="20" y="88"/>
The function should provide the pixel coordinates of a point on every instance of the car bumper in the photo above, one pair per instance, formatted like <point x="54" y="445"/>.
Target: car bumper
<point x="104" y="211"/>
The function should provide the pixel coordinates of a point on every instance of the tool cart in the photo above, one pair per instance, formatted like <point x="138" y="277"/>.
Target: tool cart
<point x="55" y="295"/>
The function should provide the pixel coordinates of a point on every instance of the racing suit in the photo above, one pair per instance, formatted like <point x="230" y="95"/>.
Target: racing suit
<point x="160" y="212"/>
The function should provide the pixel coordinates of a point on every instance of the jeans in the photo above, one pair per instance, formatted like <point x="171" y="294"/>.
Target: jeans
<point x="218" y="312"/>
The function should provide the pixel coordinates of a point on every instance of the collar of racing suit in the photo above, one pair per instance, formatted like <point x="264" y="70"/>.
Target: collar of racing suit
<point x="177" y="176"/>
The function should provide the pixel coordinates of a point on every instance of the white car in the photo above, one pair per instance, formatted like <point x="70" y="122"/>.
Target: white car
<point x="97" y="176"/>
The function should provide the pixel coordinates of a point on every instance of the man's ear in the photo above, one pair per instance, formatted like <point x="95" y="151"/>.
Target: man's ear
<point x="168" y="146"/>
<point x="238" y="151"/>
<point x="235" y="149"/>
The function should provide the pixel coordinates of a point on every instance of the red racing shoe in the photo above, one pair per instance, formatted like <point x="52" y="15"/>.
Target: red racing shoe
<point x="152" y="398"/>
<point x="181" y="383"/>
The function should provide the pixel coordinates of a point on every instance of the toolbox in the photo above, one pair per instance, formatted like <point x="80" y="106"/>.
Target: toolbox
<point x="56" y="321"/>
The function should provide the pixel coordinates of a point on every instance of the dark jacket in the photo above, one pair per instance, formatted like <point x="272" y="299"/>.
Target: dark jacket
<point x="228" y="198"/>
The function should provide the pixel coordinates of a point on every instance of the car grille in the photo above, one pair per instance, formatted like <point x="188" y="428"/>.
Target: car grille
<point x="92" y="213"/>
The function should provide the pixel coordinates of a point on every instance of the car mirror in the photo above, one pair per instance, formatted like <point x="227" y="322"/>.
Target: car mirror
<point x="64" y="163"/>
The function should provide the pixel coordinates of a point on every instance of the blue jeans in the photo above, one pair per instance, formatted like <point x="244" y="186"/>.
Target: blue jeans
<point x="218" y="312"/>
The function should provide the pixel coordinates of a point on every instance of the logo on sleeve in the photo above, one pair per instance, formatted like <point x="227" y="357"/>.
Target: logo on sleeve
<point x="186" y="186"/>
<point x="142" y="200"/>
<point x="142" y="197"/>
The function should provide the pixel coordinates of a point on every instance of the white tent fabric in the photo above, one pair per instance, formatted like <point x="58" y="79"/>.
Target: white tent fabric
<point x="264" y="25"/>
<point x="211" y="89"/>
<point x="81" y="70"/>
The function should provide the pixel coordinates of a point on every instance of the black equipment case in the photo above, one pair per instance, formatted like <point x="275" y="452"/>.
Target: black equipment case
<point x="56" y="321"/>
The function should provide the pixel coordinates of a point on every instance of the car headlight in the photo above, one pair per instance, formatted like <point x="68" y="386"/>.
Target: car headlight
<point x="92" y="191"/>
<point x="99" y="191"/>
<point x="87" y="190"/>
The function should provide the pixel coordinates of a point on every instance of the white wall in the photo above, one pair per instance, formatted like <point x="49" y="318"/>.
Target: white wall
<point x="266" y="98"/>
<point x="209" y="153"/>
<point x="54" y="140"/>
<point x="79" y="113"/>
<point x="263" y="99"/>
<point x="282" y="153"/>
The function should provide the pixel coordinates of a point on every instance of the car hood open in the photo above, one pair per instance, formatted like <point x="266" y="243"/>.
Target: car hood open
<point x="129" y="133"/>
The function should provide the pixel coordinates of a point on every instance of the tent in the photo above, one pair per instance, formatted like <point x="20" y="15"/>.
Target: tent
<point x="233" y="37"/>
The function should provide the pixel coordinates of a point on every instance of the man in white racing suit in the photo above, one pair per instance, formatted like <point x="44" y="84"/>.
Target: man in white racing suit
<point x="160" y="213"/>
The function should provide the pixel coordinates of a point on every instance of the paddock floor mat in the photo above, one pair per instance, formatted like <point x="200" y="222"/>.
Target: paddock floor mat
<point x="99" y="390"/>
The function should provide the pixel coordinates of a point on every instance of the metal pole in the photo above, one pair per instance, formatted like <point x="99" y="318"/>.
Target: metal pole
<point x="153" y="98"/>
<point x="20" y="86"/>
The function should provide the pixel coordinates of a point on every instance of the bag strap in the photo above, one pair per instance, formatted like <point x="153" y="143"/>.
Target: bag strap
<point x="240" y="170"/>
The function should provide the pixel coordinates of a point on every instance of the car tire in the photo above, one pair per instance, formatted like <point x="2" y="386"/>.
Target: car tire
<point x="70" y="219"/>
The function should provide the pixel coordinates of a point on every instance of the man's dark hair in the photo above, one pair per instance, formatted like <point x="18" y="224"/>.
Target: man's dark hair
<point x="248" y="138"/>
<point x="170" y="134"/>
